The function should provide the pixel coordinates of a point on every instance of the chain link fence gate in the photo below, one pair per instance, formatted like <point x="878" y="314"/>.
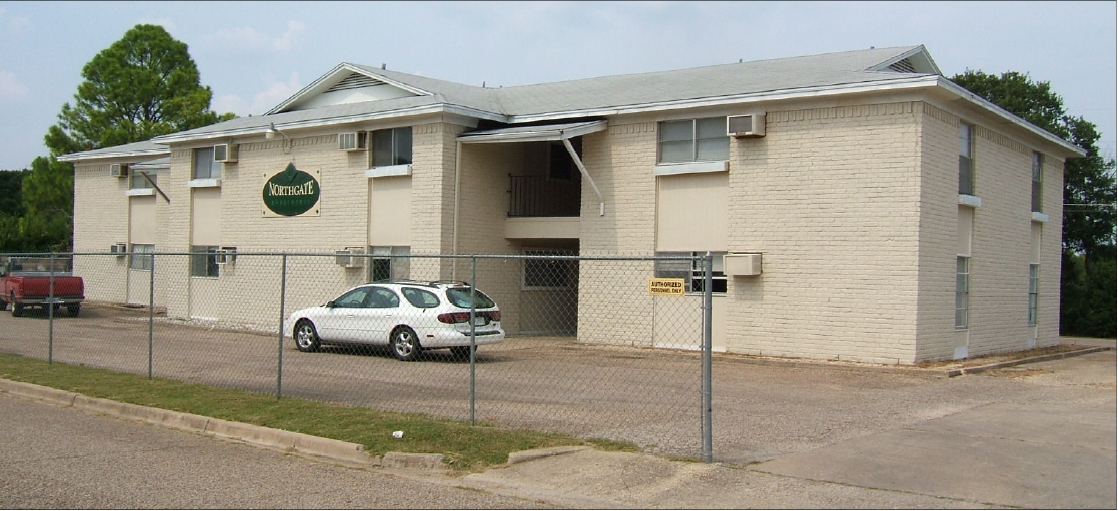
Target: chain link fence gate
<point x="598" y="347"/>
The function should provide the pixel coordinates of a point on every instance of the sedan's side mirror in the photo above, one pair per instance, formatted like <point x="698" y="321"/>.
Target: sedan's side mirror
<point x="331" y="304"/>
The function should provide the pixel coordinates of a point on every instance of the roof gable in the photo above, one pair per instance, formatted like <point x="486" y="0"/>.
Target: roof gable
<point x="347" y="84"/>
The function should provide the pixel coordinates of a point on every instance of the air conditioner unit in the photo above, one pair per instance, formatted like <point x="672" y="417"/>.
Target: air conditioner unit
<point x="118" y="170"/>
<point x="225" y="153"/>
<point x="225" y="255"/>
<point x="350" y="257"/>
<point x="119" y="249"/>
<point x="741" y="264"/>
<point x="353" y="141"/>
<point x="752" y="125"/>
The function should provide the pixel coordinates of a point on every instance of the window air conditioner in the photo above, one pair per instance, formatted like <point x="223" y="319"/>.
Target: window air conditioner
<point x="119" y="249"/>
<point x="752" y="125"/>
<point x="225" y="255"/>
<point x="350" y="257"/>
<point x="225" y="153"/>
<point x="353" y="141"/>
<point x="118" y="170"/>
<point x="741" y="264"/>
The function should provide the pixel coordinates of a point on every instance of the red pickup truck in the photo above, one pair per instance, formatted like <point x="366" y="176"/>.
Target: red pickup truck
<point x="25" y="282"/>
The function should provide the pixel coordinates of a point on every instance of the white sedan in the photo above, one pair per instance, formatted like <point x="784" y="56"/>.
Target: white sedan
<point x="407" y="316"/>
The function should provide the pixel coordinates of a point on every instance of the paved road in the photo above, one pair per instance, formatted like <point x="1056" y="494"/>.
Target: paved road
<point x="1043" y="436"/>
<point x="62" y="458"/>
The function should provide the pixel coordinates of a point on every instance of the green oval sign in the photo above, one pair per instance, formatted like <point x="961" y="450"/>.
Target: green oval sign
<point x="291" y="192"/>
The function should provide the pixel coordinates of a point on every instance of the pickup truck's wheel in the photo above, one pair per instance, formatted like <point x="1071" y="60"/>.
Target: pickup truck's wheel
<point x="306" y="337"/>
<point x="17" y="308"/>
<point x="73" y="309"/>
<point x="3" y="304"/>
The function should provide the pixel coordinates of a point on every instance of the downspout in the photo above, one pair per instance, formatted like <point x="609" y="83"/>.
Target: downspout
<point x="581" y="170"/>
<point x="457" y="185"/>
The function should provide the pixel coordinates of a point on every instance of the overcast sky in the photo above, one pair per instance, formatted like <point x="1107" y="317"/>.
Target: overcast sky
<point x="255" y="54"/>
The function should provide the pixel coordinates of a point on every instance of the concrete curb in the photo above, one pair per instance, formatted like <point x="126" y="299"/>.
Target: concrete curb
<point x="951" y="373"/>
<point x="534" y="454"/>
<point x="345" y="453"/>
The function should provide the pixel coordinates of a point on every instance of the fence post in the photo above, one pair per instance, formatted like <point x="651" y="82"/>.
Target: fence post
<point x="473" y="346"/>
<point x="50" y="314"/>
<point x="151" y="316"/>
<point x="283" y="296"/>
<point x="708" y="312"/>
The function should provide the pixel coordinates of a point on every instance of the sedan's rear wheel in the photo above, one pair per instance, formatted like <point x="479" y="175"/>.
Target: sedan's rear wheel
<point x="405" y="344"/>
<point x="306" y="337"/>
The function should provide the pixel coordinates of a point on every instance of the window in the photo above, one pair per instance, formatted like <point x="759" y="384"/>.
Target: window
<point x="692" y="271"/>
<point x="353" y="299"/>
<point x="694" y="140"/>
<point x="962" y="291"/>
<point x="966" y="159"/>
<point x="1034" y="291"/>
<point x="141" y="256"/>
<point x="382" y="298"/>
<point x="420" y="298"/>
<point x="389" y="263"/>
<point x="137" y="181"/>
<point x="550" y="273"/>
<point x="1038" y="182"/>
<point x="203" y="261"/>
<point x="204" y="165"/>
<point x="391" y="147"/>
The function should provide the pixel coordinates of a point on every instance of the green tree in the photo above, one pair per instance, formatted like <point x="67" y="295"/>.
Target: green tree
<point x="10" y="185"/>
<point x="142" y="86"/>
<point x="48" y="201"/>
<point x="1088" y="298"/>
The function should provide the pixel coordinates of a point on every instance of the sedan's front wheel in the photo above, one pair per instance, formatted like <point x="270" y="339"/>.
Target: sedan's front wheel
<point x="405" y="344"/>
<point x="306" y="337"/>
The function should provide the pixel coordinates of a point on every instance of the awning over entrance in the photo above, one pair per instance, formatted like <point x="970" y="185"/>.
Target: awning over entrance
<point x="559" y="132"/>
<point x="533" y="133"/>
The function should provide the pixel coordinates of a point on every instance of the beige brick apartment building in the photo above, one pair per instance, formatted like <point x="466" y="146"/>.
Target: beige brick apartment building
<point x="859" y="204"/>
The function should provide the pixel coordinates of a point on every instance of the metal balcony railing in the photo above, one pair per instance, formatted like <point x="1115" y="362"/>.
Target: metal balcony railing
<point x="539" y="196"/>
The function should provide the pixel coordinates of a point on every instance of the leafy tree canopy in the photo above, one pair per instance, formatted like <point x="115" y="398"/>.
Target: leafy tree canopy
<point x="1089" y="194"/>
<point x="142" y="86"/>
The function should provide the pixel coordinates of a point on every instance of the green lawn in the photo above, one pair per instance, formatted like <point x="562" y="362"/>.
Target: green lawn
<point x="465" y="447"/>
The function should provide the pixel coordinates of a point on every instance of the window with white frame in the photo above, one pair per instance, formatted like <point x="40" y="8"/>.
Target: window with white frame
<point x="389" y="263"/>
<point x="141" y="256"/>
<point x="550" y="273"/>
<point x="962" y="292"/>
<point x="966" y="159"/>
<point x="391" y="147"/>
<point x="203" y="261"/>
<point x="1038" y="182"/>
<point x="137" y="181"/>
<point x="1034" y="291"/>
<point x="693" y="140"/>
<point x="204" y="165"/>
<point x="692" y="270"/>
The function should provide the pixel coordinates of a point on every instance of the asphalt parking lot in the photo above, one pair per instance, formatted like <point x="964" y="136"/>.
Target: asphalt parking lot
<point x="650" y="397"/>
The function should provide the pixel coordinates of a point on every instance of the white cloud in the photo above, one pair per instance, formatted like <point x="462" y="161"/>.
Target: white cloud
<point x="275" y="92"/>
<point x="250" y="41"/>
<point x="10" y="86"/>
<point x="15" y="24"/>
<point x="230" y="103"/>
<point x="293" y="35"/>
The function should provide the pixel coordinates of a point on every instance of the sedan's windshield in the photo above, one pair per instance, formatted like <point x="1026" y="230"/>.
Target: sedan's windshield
<point x="460" y="297"/>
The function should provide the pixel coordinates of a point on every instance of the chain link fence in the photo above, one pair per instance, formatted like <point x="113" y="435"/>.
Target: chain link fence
<point x="578" y="345"/>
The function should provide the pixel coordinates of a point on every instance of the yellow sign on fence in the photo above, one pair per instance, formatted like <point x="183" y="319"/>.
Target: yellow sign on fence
<point x="666" y="287"/>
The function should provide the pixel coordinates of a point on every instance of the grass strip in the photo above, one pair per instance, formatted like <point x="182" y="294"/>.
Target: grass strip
<point x="465" y="447"/>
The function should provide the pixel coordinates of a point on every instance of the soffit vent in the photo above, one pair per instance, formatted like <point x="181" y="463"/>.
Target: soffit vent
<point x="355" y="81"/>
<point x="903" y="66"/>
